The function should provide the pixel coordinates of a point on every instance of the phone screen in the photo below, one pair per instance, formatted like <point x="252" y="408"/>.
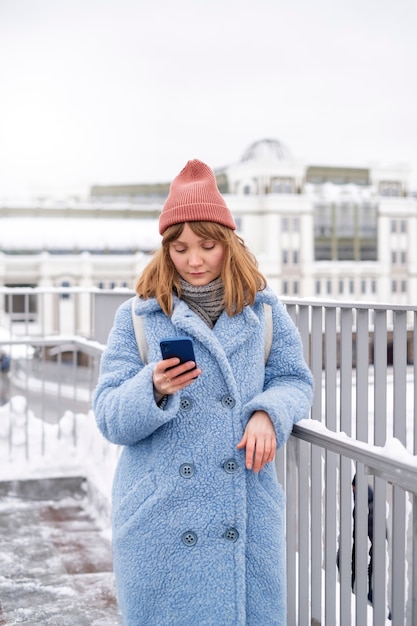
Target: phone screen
<point x="181" y="347"/>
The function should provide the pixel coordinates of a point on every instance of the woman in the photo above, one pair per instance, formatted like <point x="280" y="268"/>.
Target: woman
<point x="198" y="513"/>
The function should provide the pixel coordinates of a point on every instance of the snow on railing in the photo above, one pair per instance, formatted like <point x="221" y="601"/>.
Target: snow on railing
<point x="392" y="462"/>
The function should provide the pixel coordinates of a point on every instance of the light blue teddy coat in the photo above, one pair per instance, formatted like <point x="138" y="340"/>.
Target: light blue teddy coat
<point x="198" y="539"/>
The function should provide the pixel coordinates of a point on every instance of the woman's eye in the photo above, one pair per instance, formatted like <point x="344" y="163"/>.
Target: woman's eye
<point x="180" y="250"/>
<point x="209" y="247"/>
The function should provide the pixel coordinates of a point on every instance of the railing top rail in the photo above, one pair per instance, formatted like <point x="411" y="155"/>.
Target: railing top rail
<point x="46" y="290"/>
<point x="345" y="304"/>
<point x="391" y="462"/>
<point x="312" y="302"/>
<point x="53" y="340"/>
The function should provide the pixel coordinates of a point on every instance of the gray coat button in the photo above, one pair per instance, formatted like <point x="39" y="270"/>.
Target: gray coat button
<point x="231" y="534"/>
<point x="185" y="403"/>
<point x="230" y="466"/>
<point x="228" y="401"/>
<point x="189" y="538"/>
<point x="187" y="470"/>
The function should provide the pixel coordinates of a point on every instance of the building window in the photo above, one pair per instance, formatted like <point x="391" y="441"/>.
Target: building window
<point x="389" y="188"/>
<point x="65" y="284"/>
<point x="345" y="231"/>
<point x="398" y="226"/>
<point x="403" y="257"/>
<point x="394" y="286"/>
<point x="283" y="185"/>
<point x="295" y="287"/>
<point x="393" y="257"/>
<point x="290" y="224"/>
<point x="21" y="307"/>
<point x="403" y="286"/>
<point x="341" y="287"/>
<point x="329" y="287"/>
<point x="286" y="257"/>
<point x="373" y="285"/>
<point x="285" y="287"/>
<point x="318" y="287"/>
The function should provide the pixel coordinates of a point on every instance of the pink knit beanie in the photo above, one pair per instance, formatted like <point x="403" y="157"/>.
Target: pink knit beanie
<point x="194" y="197"/>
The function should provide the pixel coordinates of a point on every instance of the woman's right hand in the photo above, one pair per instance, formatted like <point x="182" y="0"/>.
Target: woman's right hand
<point x="169" y="376"/>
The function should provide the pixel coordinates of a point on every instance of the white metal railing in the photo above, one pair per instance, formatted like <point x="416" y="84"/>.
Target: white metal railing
<point x="365" y="415"/>
<point x="363" y="423"/>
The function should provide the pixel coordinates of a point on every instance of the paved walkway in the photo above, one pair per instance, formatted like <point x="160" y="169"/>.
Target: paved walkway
<point x="55" y="561"/>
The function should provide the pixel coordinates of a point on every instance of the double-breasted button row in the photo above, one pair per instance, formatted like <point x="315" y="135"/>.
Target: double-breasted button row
<point x="189" y="538"/>
<point x="187" y="470"/>
<point x="227" y="401"/>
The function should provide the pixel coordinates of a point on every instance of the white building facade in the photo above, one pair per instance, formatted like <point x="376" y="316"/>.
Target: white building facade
<point x="344" y="233"/>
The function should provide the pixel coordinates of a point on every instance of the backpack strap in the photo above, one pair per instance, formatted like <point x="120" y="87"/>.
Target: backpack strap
<point x="268" y="330"/>
<point x="143" y="346"/>
<point x="140" y="334"/>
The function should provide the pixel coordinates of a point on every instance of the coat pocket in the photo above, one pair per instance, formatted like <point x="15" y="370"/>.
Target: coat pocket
<point x="272" y="491"/>
<point x="133" y="500"/>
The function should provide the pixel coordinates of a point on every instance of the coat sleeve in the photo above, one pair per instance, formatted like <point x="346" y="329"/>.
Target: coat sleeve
<point x="288" y="388"/>
<point x="123" y="401"/>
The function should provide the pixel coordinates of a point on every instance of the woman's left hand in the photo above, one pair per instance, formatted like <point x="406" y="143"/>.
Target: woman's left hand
<point x="260" y="441"/>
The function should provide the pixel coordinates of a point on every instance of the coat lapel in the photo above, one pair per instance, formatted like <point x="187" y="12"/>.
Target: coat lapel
<point x="228" y="334"/>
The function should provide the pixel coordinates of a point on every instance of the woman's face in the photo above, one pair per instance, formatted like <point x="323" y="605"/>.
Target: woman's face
<point x="197" y="260"/>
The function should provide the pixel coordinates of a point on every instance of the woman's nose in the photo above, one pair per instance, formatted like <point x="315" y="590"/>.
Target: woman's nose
<point x="194" y="258"/>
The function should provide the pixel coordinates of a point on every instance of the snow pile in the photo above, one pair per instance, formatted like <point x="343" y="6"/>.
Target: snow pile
<point x="32" y="448"/>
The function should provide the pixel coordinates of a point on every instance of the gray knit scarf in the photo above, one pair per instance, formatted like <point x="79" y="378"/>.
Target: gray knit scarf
<point x="206" y="301"/>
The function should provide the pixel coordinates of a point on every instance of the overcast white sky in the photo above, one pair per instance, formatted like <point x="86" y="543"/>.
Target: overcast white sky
<point x="120" y="91"/>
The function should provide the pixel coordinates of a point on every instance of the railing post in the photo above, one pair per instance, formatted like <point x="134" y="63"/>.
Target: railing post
<point x="331" y="466"/>
<point x="413" y="589"/>
<point x="316" y="468"/>
<point x="399" y="521"/>
<point x="380" y="583"/>
<point x="345" y="489"/>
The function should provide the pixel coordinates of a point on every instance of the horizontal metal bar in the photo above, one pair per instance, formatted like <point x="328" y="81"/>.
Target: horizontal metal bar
<point x="394" y="470"/>
<point x="348" y="304"/>
<point x="310" y="302"/>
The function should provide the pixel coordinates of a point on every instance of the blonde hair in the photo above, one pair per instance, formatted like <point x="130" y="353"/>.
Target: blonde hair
<point x="240" y="275"/>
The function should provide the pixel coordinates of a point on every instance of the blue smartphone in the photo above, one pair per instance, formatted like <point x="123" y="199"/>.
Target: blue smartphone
<point x="181" y="347"/>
